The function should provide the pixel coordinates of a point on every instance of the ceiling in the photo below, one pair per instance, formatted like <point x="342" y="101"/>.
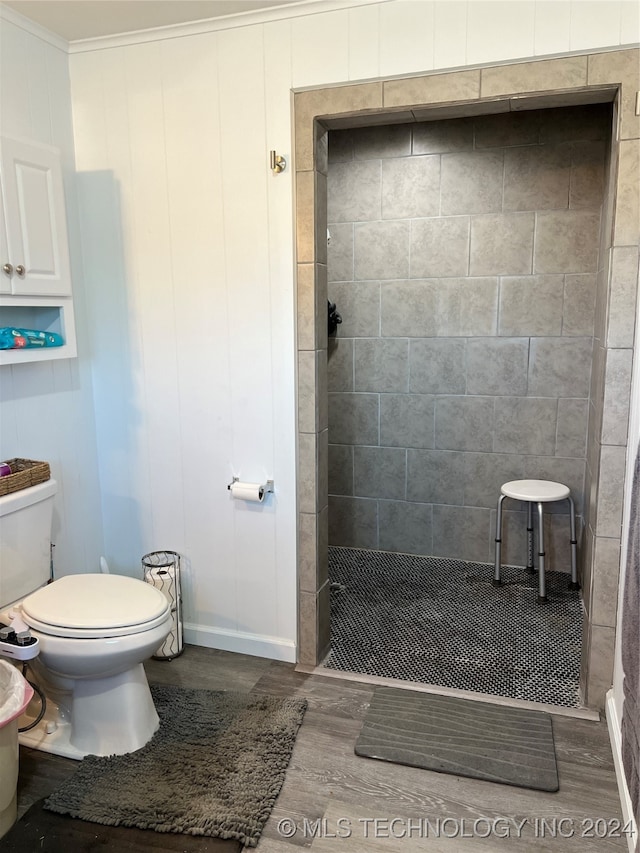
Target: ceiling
<point x="81" y="19"/>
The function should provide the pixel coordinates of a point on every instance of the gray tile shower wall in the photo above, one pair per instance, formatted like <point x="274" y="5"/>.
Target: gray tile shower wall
<point x="463" y="258"/>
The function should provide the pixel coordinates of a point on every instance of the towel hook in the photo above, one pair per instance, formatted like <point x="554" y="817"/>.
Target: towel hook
<point x="277" y="163"/>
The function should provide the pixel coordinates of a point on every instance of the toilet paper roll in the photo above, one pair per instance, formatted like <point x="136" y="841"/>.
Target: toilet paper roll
<point x="168" y="582"/>
<point x="253" y="492"/>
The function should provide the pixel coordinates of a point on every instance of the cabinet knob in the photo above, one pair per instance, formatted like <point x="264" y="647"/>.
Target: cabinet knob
<point x="20" y="269"/>
<point x="7" y="268"/>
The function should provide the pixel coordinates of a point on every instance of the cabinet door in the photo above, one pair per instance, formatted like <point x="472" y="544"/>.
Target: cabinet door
<point x="5" y="277"/>
<point x="36" y="221"/>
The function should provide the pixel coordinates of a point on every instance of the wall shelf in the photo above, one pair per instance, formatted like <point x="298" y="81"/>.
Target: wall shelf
<point x="54" y="314"/>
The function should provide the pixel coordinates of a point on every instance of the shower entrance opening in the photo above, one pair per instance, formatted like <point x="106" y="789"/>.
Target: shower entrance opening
<point x="470" y="256"/>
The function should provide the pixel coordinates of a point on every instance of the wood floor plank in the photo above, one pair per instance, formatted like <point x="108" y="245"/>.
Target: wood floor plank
<point x="326" y="781"/>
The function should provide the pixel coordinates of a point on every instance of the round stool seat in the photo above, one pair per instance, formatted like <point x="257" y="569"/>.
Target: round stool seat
<point x="538" y="491"/>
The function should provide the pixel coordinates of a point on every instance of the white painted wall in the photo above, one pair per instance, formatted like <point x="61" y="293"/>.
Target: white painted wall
<point x="46" y="408"/>
<point x="188" y="251"/>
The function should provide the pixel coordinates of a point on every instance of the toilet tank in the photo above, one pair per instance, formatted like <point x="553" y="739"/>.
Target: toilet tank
<point x="25" y="537"/>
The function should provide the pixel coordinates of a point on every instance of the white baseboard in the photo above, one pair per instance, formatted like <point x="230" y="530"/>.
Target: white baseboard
<point x="276" y="648"/>
<point x="613" y="724"/>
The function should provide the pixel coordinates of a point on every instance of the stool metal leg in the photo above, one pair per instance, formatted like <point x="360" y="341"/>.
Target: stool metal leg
<point x="542" y="591"/>
<point x="573" y="584"/>
<point x="496" y="577"/>
<point x="530" y="567"/>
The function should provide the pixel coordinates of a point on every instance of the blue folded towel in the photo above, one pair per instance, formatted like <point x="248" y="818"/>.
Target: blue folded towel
<point x="11" y="338"/>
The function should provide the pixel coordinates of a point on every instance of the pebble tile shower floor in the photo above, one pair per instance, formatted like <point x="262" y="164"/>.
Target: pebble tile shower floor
<point x="440" y="621"/>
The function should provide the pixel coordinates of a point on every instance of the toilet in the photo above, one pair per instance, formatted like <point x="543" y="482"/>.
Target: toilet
<point x="93" y="632"/>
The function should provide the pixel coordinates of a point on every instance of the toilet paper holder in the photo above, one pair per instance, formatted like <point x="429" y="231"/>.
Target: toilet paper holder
<point x="266" y="487"/>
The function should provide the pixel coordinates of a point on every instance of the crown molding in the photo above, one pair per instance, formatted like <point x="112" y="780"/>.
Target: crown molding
<point x="227" y="22"/>
<point x="12" y="17"/>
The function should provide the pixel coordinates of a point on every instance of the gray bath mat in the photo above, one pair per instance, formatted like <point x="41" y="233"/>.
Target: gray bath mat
<point x="214" y="767"/>
<point x="461" y="737"/>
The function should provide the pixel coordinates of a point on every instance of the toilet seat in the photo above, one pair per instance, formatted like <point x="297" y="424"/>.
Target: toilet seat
<point x="92" y="606"/>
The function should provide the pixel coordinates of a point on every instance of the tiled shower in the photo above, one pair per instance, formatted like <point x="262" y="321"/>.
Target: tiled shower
<point x="463" y="258"/>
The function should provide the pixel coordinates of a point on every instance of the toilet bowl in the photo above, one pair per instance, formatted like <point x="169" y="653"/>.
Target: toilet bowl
<point x="94" y="631"/>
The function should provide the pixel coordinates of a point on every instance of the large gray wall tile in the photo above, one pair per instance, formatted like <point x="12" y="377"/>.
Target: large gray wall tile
<point x="358" y="303"/>
<point x="340" y="364"/>
<point x="409" y="308"/>
<point x="380" y="472"/>
<point x="437" y="366"/>
<point x="443" y="137"/>
<point x="497" y="366"/>
<point x="464" y="423"/>
<point x="381" y="250"/>
<point x="381" y="364"/>
<point x="606" y="572"/>
<point x="340" y="145"/>
<point x="485" y="473"/>
<point x="471" y="182"/>
<point x="393" y="140"/>
<point x="478" y="306"/>
<point x="610" y="491"/>
<point x="406" y="420"/>
<point x="353" y="522"/>
<point x="435" y="476"/>
<point x="500" y="131"/>
<point x="501" y="244"/>
<point x="571" y="435"/>
<point x="587" y="174"/>
<point x="560" y="470"/>
<point x="601" y="307"/>
<point x="579" y="304"/>
<point x="615" y="412"/>
<point x="410" y="187"/>
<point x="354" y="191"/>
<point x="340" y="251"/>
<point x="439" y="307"/>
<point x="462" y="532"/>
<point x="525" y="425"/>
<point x="576" y="124"/>
<point x="560" y="367"/>
<point x="566" y="241"/>
<point x="405" y="527"/>
<point x="440" y="247"/>
<point x="531" y="305"/>
<point x="537" y="177"/>
<point x="340" y="469"/>
<point x="600" y="666"/>
<point x="353" y="418"/>
<point x="622" y="301"/>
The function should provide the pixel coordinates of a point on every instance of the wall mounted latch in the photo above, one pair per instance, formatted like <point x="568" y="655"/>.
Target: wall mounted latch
<point x="277" y="163"/>
<point x="334" y="318"/>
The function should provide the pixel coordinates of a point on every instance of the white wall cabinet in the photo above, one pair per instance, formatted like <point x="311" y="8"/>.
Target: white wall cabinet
<point x="35" y="274"/>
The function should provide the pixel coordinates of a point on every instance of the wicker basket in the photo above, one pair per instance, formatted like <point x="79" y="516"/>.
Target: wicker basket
<point x="24" y="473"/>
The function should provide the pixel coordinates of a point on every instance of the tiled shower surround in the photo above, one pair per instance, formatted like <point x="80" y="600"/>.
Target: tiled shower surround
<point x="463" y="257"/>
<point x="601" y="77"/>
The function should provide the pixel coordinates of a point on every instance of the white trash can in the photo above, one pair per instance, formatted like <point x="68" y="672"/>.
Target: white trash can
<point x="15" y="695"/>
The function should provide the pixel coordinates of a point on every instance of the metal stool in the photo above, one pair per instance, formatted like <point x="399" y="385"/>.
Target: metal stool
<point x="538" y="492"/>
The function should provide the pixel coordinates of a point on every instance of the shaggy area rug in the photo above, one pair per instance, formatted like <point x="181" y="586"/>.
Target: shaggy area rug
<point x="215" y="767"/>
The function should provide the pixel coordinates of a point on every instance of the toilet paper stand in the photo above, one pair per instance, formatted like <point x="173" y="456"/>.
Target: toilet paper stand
<point x="162" y="569"/>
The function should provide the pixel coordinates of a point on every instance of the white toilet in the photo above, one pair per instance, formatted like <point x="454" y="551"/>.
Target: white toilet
<point x="93" y="631"/>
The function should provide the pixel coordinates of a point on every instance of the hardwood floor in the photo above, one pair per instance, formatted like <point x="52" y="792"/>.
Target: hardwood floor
<point x="337" y="799"/>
